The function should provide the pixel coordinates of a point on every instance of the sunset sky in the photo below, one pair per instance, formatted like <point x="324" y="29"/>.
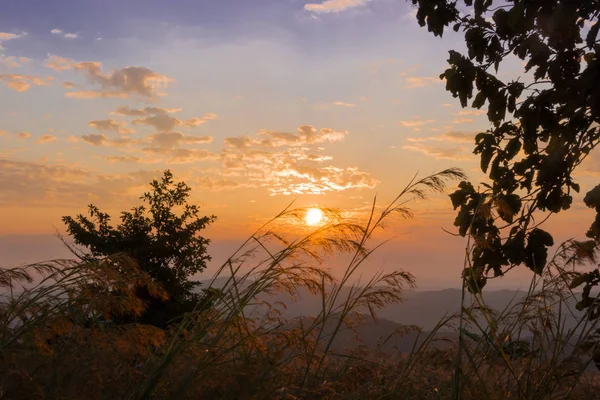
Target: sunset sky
<point x="252" y="103"/>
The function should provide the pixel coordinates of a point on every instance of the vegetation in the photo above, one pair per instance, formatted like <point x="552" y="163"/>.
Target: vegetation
<point x="544" y="123"/>
<point x="166" y="245"/>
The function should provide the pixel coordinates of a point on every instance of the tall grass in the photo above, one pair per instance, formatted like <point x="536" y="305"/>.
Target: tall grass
<point x="57" y="339"/>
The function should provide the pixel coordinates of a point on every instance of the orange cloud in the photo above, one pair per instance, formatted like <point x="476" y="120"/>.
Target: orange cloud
<point x="334" y="6"/>
<point x="12" y="61"/>
<point x="111" y="125"/>
<point x="472" y="112"/>
<point x="172" y="139"/>
<point x="412" y="82"/>
<point x="133" y="112"/>
<point x="46" y="139"/>
<point x="59" y="63"/>
<point x="342" y="104"/>
<point x="119" y="83"/>
<point x="290" y="163"/>
<point x="93" y="94"/>
<point x="439" y="152"/>
<point x="22" y="83"/>
<point x="461" y="120"/>
<point x="416" y="123"/>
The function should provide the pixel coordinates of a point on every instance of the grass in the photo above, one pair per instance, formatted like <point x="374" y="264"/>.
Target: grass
<point x="57" y="342"/>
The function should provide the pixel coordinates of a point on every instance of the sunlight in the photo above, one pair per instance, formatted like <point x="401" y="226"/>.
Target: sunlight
<point x="314" y="216"/>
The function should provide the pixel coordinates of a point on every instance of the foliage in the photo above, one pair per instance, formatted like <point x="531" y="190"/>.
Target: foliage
<point x="544" y="124"/>
<point x="166" y="244"/>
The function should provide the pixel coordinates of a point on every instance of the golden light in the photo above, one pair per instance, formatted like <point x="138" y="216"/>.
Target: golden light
<point x="314" y="216"/>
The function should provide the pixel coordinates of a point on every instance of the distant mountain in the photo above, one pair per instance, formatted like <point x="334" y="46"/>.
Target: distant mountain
<point x="421" y="308"/>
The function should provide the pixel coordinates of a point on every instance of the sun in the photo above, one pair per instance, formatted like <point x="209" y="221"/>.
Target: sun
<point x="314" y="216"/>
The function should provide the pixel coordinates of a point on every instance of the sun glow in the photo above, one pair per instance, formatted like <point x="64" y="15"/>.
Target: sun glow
<point x="314" y="216"/>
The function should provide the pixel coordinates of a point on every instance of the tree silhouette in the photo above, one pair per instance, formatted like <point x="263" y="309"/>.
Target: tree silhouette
<point x="166" y="244"/>
<point x="543" y="124"/>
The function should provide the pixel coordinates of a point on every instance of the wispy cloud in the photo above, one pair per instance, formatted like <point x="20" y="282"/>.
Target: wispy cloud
<point x="12" y="61"/>
<point x="412" y="82"/>
<point x="462" y="120"/>
<point x="22" y="83"/>
<point x="342" y="104"/>
<point x="119" y="83"/>
<point x="440" y="152"/>
<point x="111" y="125"/>
<point x="452" y="136"/>
<point x="10" y="36"/>
<point x="66" y="35"/>
<point x="289" y="163"/>
<point x="45" y="139"/>
<point x="444" y="145"/>
<point x="473" y="112"/>
<point x="334" y="6"/>
<point x="416" y="122"/>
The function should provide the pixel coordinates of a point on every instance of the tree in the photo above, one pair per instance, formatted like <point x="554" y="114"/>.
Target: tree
<point x="165" y="244"/>
<point x="543" y="124"/>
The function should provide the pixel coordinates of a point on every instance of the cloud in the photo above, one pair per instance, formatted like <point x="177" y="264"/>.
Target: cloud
<point x="123" y="159"/>
<point x="95" y="139"/>
<point x="161" y="122"/>
<point x="12" y="61"/>
<point x="306" y="135"/>
<point x="181" y="155"/>
<point x="24" y="182"/>
<point x="413" y="82"/>
<point x="442" y="151"/>
<point x="133" y="112"/>
<point x="47" y="184"/>
<point x="239" y="142"/>
<point x="119" y="83"/>
<point x="59" y="63"/>
<point x="439" y="152"/>
<point x="452" y="136"/>
<point x="111" y="125"/>
<point x="462" y="120"/>
<point x="288" y="163"/>
<point x="216" y="184"/>
<point x="194" y="122"/>
<point x="66" y="35"/>
<point x="298" y="179"/>
<point x="23" y="135"/>
<point x="10" y="36"/>
<point x="68" y="85"/>
<point x="93" y="94"/>
<point x="160" y="119"/>
<point x="334" y="6"/>
<point x="172" y="139"/>
<point x="416" y="123"/>
<point x="46" y="139"/>
<point x="100" y="139"/>
<point x="473" y="112"/>
<point x="341" y="104"/>
<point x="22" y="83"/>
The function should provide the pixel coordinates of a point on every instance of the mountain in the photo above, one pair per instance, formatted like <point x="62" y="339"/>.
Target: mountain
<point x="421" y="308"/>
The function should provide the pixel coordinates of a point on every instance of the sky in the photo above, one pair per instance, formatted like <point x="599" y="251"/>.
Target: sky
<point x="254" y="104"/>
